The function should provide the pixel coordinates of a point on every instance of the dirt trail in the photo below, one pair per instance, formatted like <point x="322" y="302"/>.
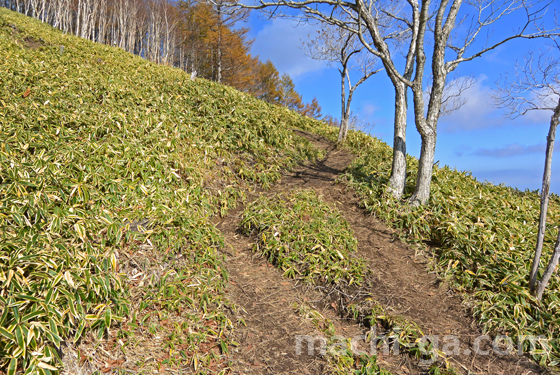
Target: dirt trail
<point x="401" y="284"/>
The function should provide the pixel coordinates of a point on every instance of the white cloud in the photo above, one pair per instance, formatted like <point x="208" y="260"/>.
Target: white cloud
<point x="478" y="112"/>
<point x="514" y="149"/>
<point x="544" y="97"/>
<point x="370" y="109"/>
<point x="538" y="117"/>
<point x="280" y="43"/>
<point x="497" y="56"/>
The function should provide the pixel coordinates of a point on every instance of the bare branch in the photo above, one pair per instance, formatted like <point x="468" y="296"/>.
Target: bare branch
<point x="342" y="47"/>
<point x="535" y="85"/>
<point x="487" y="13"/>
<point x="452" y="98"/>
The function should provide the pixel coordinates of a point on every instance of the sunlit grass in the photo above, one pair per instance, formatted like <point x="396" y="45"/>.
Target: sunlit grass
<point x="483" y="237"/>
<point x="92" y="141"/>
<point x="305" y="237"/>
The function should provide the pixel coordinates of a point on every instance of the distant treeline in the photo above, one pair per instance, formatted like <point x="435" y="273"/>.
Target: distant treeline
<point x="191" y="35"/>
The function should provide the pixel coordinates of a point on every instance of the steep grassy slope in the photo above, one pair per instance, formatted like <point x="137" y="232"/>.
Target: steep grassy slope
<point x="111" y="169"/>
<point x="483" y="239"/>
<point x="108" y="162"/>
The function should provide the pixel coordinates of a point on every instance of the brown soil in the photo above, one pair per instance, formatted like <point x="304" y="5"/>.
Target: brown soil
<point x="401" y="283"/>
<point x="32" y="43"/>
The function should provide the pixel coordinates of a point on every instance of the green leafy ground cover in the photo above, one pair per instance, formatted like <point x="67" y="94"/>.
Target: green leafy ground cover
<point x="341" y="352"/>
<point x="304" y="237"/>
<point x="309" y="240"/>
<point x="484" y="237"/>
<point x="92" y="142"/>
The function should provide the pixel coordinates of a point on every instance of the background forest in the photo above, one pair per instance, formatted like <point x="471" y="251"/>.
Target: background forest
<point x="195" y="36"/>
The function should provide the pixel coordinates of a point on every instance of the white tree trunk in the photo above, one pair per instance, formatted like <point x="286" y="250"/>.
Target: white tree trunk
<point x="43" y="12"/>
<point x="79" y="18"/>
<point x="427" y="124"/>
<point x="102" y="22"/>
<point x="425" y="169"/>
<point x="397" y="180"/>
<point x="67" y="17"/>
<point x="537" y="288"/>
<point x="219" y="44"/>
<point x="343" y="131"/>
<point x="543" y="283"/>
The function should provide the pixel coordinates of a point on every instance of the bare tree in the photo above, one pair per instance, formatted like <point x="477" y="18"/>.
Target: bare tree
<point x="341" y="47"/>
<point x="154" y="32"/>
<point x="143" y="27"/>
<point x="448" y="38"/>
<point x="44" y="10"/>
<point x="32" y="8"/>
<point x="87" y="13"/>
<point x="536" y="87"/>
<point x="126" y="26"/>
<point x="481" y="15"/>
<point x="418" y="21"/>
<point x="227" y="18"/>
<point x="68" y="17"/>
<point x="102" y="22"/>
<point x="383" y="30"/>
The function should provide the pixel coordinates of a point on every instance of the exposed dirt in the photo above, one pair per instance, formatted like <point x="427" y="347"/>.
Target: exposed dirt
<point x="267" y="343"/>
<point x="401" y="284"/>
<point x="29" y="42"/>
<point x="32" y="43"/>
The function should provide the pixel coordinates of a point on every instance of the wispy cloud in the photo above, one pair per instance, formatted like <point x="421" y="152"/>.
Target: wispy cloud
<point x="508" y="151"/>
<point x="478" y="111"/>
<point x="280" y="42"/>
<point x="369" y="109"/>
<point x="462" y="150"/>
<point x="538" y="117"/>
<point x="497" y="56"/>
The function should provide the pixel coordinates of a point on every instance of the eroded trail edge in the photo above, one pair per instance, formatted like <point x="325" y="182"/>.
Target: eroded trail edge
<point x="401" y="284"/>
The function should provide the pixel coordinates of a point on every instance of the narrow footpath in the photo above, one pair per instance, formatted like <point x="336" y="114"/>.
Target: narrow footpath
<point x="401" y="284"/>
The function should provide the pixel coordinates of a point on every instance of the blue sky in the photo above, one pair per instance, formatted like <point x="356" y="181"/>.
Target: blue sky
<point x="478" y="137"/>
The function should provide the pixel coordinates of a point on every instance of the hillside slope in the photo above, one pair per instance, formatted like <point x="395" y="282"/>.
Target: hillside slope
<point x="114" y="171"/>
<point x="481" y="240"/>
<point x="111" y="167"/>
